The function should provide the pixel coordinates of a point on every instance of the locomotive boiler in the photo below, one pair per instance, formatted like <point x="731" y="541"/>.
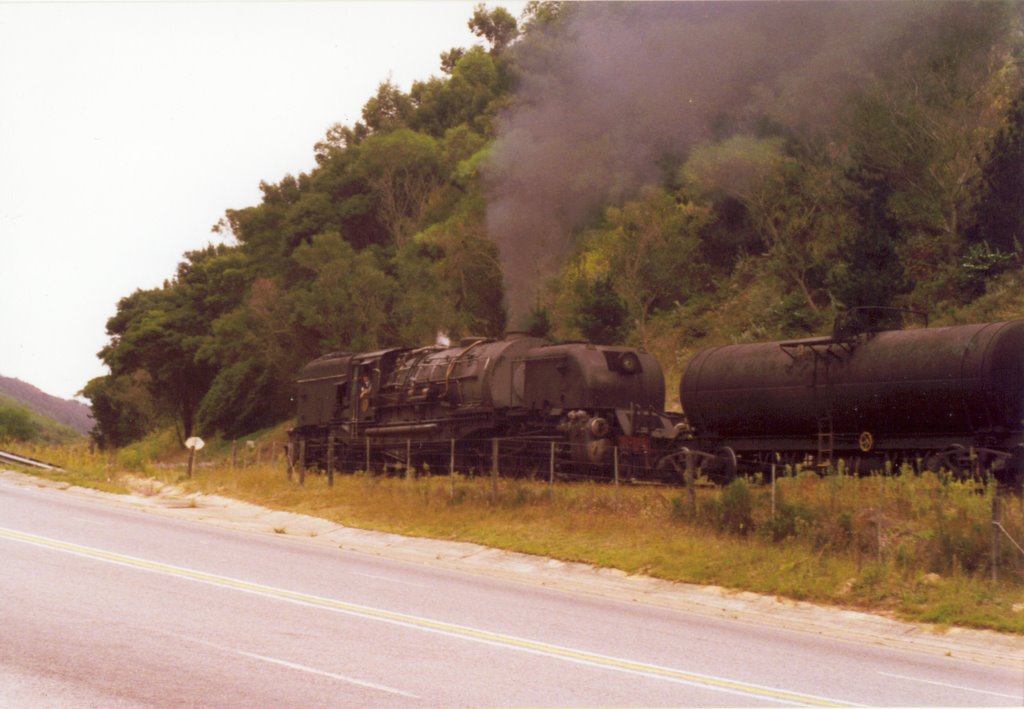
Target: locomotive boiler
<point x="590" y="407"/>
<point x="945" y="397"/>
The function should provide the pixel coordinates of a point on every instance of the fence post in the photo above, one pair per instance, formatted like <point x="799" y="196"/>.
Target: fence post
<point x="451" y="470"/>
<point x="995" y="535"/>
<point x="691" y="489"/>
<point x="494" y="470"/>
<point x="288" y="459"/>
<point x="408" y="459"/>
<point x="330" y="459"/>
<point x="615" y="463"/>
<point x="302" y="462"/>
<point x="551" y="466"/>
<point x="367" y="455"/>
<point x="234" y="452"/>
<point x="773" y="491"/>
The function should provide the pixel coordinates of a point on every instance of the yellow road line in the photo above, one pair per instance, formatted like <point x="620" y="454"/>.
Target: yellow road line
<point x="427" y="624"/>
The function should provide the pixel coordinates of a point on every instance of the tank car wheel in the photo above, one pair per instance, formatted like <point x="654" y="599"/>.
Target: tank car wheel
<point x="1012" y="476"/>
<point x="723" y="468"/>
<point x="866" y="442"/>
<point x="957" y="459"/>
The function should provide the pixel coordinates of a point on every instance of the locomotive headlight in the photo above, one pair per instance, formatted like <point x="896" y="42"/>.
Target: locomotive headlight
<point x="599" y="427"/>
<point x="629" y="363"/>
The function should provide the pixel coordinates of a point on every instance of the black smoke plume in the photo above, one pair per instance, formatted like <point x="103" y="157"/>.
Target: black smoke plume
<point x="616" y="89"/>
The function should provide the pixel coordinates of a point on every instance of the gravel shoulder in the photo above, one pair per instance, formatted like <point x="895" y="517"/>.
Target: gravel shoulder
<point x="979" y="646"/>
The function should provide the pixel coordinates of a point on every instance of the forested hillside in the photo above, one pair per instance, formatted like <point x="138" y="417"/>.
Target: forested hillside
<point x="668" y="175"/>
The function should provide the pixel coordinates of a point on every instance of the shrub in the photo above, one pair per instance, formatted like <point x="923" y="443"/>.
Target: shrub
<point x="735" y="511"/>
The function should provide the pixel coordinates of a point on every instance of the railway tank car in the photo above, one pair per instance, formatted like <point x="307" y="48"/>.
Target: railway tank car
<point x="597" y="406"/>
<point x="945" y="397"/>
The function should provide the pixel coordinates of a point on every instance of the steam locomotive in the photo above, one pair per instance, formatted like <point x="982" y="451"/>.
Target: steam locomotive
<point x="935" y="398"/>
<point x="947" y="398"/>
<point x="575" y="405"/>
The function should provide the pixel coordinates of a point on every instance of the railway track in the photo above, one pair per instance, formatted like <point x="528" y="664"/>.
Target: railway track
<point x="6" y="457"/>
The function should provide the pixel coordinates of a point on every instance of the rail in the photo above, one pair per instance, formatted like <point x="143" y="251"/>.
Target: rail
<point x="6" y="457"/>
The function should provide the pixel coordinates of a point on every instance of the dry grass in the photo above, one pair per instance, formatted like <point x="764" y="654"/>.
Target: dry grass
<point x="918" y="547"/>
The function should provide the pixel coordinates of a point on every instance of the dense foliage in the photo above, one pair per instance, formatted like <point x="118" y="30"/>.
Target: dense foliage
<point x="906" y="190"/>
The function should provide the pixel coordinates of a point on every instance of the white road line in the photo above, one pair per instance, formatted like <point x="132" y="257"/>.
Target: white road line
<point x="332" y="675"/>
<point x="296" y="666"/>
<point x="953" y="686"/>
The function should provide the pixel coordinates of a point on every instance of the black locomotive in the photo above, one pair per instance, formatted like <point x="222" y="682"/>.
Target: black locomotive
<point x="577" y="405"/>
<point x="946" y="397"/>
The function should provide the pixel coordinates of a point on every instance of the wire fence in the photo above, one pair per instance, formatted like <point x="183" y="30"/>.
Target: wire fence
<point x="532" y="457"/>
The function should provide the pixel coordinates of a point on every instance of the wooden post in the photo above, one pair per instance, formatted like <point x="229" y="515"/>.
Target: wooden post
<point x="330" y="459"/>
<point x="451" y="469"/>
<point x="494" y="470"/>
<point x="191" y="460"/>
<point x="408" y="459"/>
<point x="615" y="463"/>
<point x="773" y="491"/>
<point x="234" y="452"/>
<point x="551" y="466"/>
<point x="995" y="535"/>
<point x="367" y="455"/>
<point x="288" y="459"/>
<point x="302" y="462"/>
<point x="691" y="489"/>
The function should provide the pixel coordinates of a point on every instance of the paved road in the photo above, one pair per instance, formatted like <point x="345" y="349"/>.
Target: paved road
<point x="111" y="606"/>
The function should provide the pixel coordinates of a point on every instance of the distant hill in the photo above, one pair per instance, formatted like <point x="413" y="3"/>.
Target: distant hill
<point x="73" y="414"/>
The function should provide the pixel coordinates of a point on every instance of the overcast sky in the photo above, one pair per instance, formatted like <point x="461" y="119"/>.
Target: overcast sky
<point x="127" y="129"/>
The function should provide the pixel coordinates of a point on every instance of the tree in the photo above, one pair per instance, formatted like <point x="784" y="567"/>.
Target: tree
<point x="784" y="197"/>
<point x="155" y="338"/>
<point x="403" y="170"/>
<point x="387" y="111"/>
<point x="122" y="408"/>
<point x="256" y="353"/>
<point x="922" y="128"/>
<point x="599" y="313"/>
<point x="497" y="26"/>
<point x="999" y="219"/>
<point x="16" y="424"/>
<point x="649" y="251"/>
<point x="347" y="300"/>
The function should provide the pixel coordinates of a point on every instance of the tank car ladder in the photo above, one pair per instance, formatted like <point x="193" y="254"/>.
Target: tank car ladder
<point x="826" y="442"/>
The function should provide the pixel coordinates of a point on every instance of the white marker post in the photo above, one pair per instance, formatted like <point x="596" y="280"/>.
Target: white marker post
<point x="193" y="444"/>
